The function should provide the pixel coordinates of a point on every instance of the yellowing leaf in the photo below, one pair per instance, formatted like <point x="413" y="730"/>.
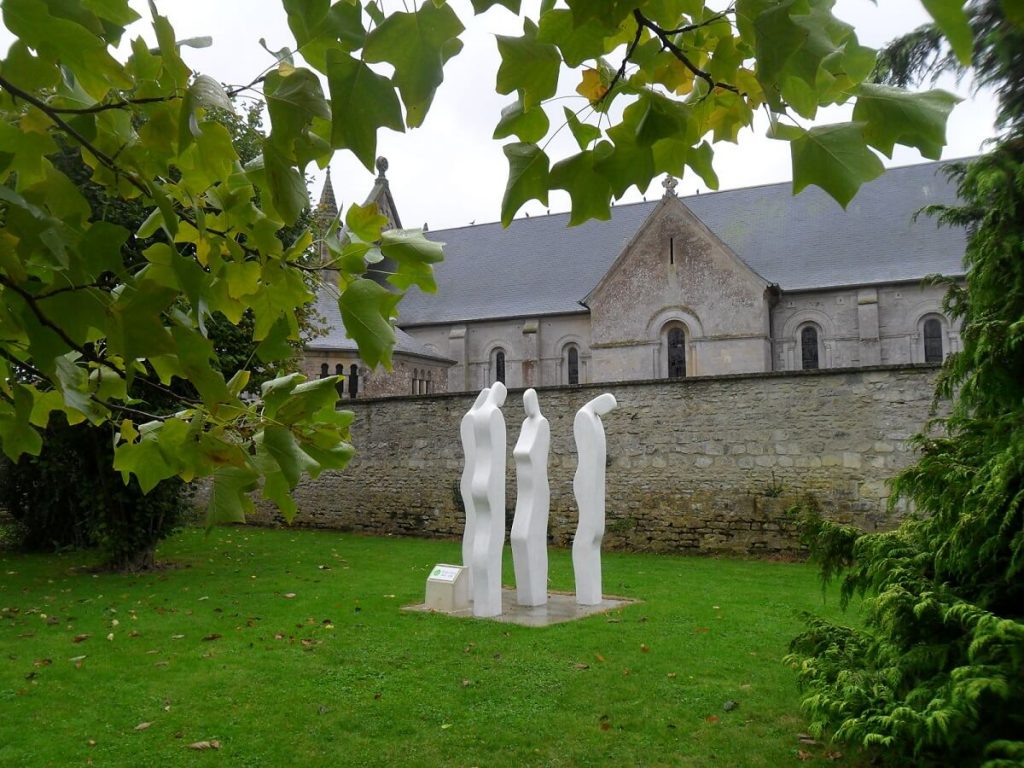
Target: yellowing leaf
<point x="592" y="86"/>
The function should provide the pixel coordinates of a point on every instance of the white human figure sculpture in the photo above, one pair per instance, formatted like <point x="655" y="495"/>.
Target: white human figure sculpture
<point x="466" y="483"/>
<point x="487" y="487"/>
<point x="533" y="501"/>
<point x="588" y="486"/>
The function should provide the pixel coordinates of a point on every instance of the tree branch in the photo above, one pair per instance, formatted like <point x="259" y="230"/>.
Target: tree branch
<point x="678" y="52"/>
<point x="111" y="105"/>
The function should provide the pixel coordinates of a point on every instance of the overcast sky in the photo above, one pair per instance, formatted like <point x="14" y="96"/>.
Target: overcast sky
<point x="450" y="172"/>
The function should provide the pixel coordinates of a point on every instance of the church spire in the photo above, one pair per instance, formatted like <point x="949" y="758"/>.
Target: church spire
<point x="327" y="209"/>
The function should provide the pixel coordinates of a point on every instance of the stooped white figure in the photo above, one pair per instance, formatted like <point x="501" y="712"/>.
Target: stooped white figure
<point x="588" y="486"/>
<point x="466" y="483"/>
<point x="488" y="492"/>
<point x="533" y="501"/>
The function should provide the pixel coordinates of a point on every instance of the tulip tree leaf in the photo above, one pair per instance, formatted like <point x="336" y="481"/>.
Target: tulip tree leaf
<point x="363" y="101"/>
<point x="834" y="158"/>
<point x="527" y="178"/>
<point x="894" y="116"/>
<point x="417" y="45"/>
<point x="366" y="310"/>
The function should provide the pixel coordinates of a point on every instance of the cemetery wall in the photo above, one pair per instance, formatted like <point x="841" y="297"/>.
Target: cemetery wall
<point x="708" y="465"/>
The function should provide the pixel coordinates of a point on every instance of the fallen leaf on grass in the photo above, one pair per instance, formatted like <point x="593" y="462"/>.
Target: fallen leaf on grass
<point x="177" y="637"/>
<point x="134" y="633"/>
<point x="803" y="755"/>
<point x="80" y="638"/>
<point x="702" y="630"/>
<point x="142" y="726"/>
<point x="581" y="665"/>
<point x="606" y="726"/>
<point x="671" y="675"/>
<point x="644" y="648"/>
<point x="42" y="662"/>
<point x="211" y="744"/>
<point x="91" y="742"/>
<point x="834" y="755"/>
<point x="212" y="636"/>
<point x="466" y="682"/>
<point x="712" y="719"/>
<point x="77" y="659"/>
<point x="445" y="726"/>
<point x="289" y="595"/>
<point x="806" y="738"/>
<point x="599" y="657"/>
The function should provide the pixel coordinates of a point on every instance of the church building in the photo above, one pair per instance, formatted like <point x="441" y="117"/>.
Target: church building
<point x="741" y="281"/>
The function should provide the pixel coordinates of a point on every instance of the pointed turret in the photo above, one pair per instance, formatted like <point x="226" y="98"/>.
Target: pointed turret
<point x="327" y="208"/>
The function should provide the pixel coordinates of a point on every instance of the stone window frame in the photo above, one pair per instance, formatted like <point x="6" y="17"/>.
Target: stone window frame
<point x="339" y="371"/>
<point x="920" y="352"/>
<point x="819" y="342"/>
<point x="657" y="332"/>
<point x="789" y="341"/>
<point x="670" y="329"/>
<point x="497" y="364"/>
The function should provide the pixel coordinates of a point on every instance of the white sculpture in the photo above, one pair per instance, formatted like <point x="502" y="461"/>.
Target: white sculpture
<point x="466" y="483"/>
<point x="588" y="487"/>
<point x="533" y="501"/>
<point x="487" y="488"/>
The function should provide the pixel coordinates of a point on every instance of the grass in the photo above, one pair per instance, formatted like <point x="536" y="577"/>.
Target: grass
<point x="289" y="648"/>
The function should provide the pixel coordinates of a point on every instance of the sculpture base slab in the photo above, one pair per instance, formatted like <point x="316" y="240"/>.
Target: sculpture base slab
<point x="561" y="607"/>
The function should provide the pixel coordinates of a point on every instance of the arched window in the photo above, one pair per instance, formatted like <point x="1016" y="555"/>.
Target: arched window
<point x="676" y="339"/>
<point x="415" y="380"/>
<point x="809" y="348"/>
<point x="933" y="340"/>
<point x="325" y="370"/>
<point x="339" y="370"/>
<point x="499" y="365"/>
<point x="353" y="381"/>
<point x="572" y="365"/>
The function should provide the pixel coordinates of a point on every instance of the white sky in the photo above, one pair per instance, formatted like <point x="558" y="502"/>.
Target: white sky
<point x="450" y="172"/>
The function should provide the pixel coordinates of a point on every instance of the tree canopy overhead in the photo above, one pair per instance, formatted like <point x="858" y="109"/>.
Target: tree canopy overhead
<point x="657" y="83"/>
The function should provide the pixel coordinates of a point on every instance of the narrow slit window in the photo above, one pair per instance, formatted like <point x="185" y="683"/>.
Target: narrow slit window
<point x="499" y="366"/>
<point x="325" y="370"/>
<point x="676" y="353"/>
<point x="573" y="365"/>
<point x="353" y="381"/>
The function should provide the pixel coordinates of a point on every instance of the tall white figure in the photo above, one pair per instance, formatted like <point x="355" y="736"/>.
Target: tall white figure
<point x="466" y="483"/>
<point x="487" y="488"/>
<point x="588" y="486"/>
<point x="533" y="501"/>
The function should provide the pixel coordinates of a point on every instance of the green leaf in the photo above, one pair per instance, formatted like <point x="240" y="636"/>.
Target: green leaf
<point x="584" y="133"/>
<point x="894" y="116"/>
<point x="229" y="499"/>
<point x="363" y="101"/>
<point x="135" y="328"/>
<point x="366" y="310"/>
<point x="17" y="435"/>
<point x="365" y="222"/>
<point x="293" y="101"/>
<point x="145" y="460"/>
<point x="589" y="190"/>
<point x="624" y="165"/>
<point x="527" y="178"/>
<point x="479" y="6"/>
<point x="835" y="158"/>
<point x="577" y="42"/>
<point x="529" y="126"/>
<point x="951" y="17"/>
<point x="528" y="66"/>
<point x="207" y="92"/>
<point x="417" y="45"/>
<point x="413" y="256"/>
<point x="288" y="191"/>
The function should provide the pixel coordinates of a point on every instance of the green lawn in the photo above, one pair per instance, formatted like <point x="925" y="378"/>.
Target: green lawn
<point x="289" y="648"/>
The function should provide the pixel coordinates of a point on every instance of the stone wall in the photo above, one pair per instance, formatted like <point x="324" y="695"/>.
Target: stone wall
<point x="704" y="465"/>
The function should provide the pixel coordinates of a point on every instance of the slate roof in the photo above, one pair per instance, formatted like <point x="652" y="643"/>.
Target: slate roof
<point x="541" y="266"/>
